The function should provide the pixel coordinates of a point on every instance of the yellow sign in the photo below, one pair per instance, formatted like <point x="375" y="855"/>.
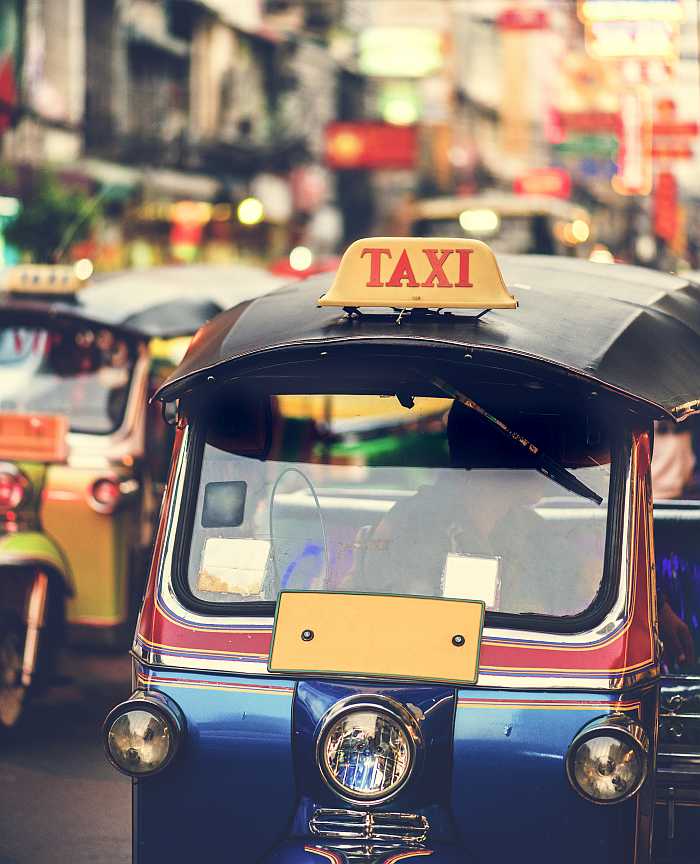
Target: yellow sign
<point x="377" y="636"/>
<point x="42" y="279"/>
<point x="419" y="273"/>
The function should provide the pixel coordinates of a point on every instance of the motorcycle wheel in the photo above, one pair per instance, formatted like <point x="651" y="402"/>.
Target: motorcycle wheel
<point x="12" y="692"/>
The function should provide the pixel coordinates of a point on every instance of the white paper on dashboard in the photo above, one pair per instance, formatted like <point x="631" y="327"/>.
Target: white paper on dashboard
<point x="472" y="577"/>
<point x="233" y="565"/>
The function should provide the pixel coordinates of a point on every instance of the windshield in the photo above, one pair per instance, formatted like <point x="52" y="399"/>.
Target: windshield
<point x="81" y="372"/>
<point x="364" y="493"/>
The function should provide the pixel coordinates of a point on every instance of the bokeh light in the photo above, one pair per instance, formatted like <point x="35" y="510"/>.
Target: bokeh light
<point x="250" y="211"/>
<point x="301" y="258"/>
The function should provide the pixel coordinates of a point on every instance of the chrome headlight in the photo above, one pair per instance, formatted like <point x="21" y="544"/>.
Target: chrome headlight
<point x="142" y="735"/>
<point x="368" y="748"/>
<point x="608" y="761"/>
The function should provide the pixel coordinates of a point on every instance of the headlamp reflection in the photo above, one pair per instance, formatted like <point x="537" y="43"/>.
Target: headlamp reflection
<point x="142" y="735"/>
<point x="607" y="761"/>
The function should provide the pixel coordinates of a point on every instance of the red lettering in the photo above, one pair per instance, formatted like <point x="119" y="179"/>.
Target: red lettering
<point x="464" y="255"/>
<point x="375" y="257"/>
<point x="437" y="264"/>
<point x="403" y="270"/>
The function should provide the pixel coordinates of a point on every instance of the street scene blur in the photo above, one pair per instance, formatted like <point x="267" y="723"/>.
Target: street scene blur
<point x="162" y="161"/>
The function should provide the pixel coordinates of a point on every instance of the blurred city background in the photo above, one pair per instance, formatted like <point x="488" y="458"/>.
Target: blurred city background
<point x="141" y="132"/>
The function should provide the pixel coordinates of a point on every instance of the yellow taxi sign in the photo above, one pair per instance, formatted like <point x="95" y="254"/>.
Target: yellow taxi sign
<point x="42" y="279"/>
<point x="419" y="273"/>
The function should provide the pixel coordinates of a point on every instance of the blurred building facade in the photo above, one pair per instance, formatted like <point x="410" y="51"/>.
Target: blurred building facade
<point x="327" y="118"/>
<point x="155" y="105"/>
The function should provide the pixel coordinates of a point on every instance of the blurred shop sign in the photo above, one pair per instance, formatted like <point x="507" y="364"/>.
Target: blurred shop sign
<point x="643" y="39"/>
<point x="677" y="150"/>
<point x="400" y="52"/>
<point x="554" y="182"/>
<point x="522" y="18"/>
<point x="589" y="121"/>
<point x="593" y="146"/>
<point x="665" y="206"/>
<point x="671" y="136"/>
<point x="631" y="10"/>
<point x="370" y="145"/>
<point x="642" y="29"/>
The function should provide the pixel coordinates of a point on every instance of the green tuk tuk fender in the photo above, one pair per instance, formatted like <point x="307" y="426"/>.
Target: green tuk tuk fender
<point x="33" y="548"/>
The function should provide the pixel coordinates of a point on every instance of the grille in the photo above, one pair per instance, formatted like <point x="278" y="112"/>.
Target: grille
<point x="405" y="828"/>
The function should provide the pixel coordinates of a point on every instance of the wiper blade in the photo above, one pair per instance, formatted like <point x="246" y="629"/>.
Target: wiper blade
<point x="542" y="462"/>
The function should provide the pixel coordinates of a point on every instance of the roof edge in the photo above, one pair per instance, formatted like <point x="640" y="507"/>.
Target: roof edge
<point x="176" y="388"/>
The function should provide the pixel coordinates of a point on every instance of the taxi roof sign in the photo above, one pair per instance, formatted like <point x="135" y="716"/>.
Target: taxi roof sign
<point x="419" y="273"/>
<point x="43" y="279"/>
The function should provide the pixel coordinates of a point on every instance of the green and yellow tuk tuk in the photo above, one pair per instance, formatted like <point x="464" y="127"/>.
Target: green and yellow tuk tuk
<point x="82" y="455"/>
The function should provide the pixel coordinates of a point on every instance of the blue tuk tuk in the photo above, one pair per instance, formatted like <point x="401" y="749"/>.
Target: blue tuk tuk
<point x="403" y="600"/>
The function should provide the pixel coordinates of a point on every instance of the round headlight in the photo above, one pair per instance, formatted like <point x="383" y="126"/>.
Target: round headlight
<point x="607" y="762"/>
<point x="367" y="752"/>
<point x="141" y="736"/>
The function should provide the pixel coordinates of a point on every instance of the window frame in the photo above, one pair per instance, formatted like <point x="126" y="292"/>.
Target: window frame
<point x="592" y="616"/>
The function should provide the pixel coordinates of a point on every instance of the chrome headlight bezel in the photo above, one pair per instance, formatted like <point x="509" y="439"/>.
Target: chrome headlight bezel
<point x="381" y="705"/>
<point x="618" y="726"/>
<point x="162" y="708"/>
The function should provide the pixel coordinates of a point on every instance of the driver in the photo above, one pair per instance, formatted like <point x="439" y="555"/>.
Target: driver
<point x="486" y="513"/>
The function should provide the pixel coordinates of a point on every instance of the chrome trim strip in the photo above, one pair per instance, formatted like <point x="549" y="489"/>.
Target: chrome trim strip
<point x="404" y="828"/>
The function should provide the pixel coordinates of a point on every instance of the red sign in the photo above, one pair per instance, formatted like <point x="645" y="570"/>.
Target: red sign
<point x="554" y="182"/>
<point x="371" y="145"/>
<point x="666" y="206"/>
<point x="687" y="129"/>
<point x="517" y="18"/>
<point x="672" y="151"/>
<point x="671" y="136"/>
<point x="590" y="121"/>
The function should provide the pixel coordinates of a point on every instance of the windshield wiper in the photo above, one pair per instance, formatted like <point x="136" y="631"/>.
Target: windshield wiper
<point x="544" y="463"/>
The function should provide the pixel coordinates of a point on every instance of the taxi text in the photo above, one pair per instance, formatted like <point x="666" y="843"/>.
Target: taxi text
<point x="430" y="268"/>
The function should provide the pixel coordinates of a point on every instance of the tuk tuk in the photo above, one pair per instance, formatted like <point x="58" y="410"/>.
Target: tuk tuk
<point x="83" y="459"/>
<point x="403" y="597"/>
<point x="509" y="223"/>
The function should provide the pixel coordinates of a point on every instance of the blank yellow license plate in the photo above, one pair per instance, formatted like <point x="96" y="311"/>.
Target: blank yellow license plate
<point x="377" y="636"/>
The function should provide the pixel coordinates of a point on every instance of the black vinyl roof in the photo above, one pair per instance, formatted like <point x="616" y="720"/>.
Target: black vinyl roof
<point x="633" y="331"/>
<point x="159" y="302"/>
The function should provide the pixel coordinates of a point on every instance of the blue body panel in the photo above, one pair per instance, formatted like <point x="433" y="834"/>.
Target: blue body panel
<point x="494" y="786"/>
<point x="232" y="785"/>
<point x="511" y="797"/>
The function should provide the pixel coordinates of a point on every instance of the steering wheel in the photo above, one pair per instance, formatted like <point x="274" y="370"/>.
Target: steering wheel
<point x="276" y="578"/>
